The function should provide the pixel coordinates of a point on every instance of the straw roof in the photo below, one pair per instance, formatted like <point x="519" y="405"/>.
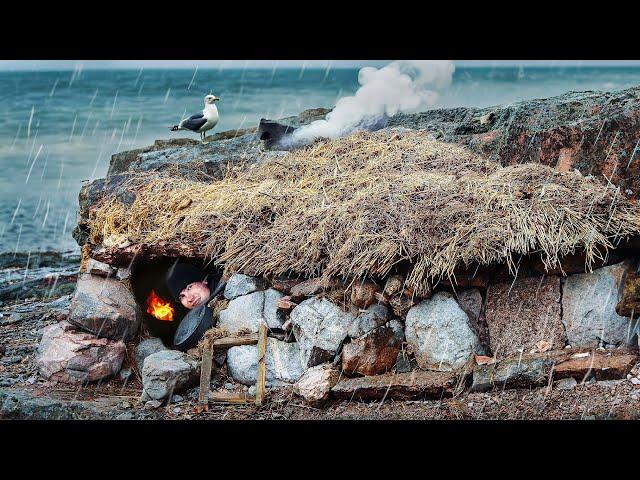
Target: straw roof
<point x="359" y="205"/>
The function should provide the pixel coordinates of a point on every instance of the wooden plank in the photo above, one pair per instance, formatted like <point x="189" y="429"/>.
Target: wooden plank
<point x="205" y="374"/>
<point x="226" y="397"/>
<point x="262" y="366"/>
<point x="228" y="342"/>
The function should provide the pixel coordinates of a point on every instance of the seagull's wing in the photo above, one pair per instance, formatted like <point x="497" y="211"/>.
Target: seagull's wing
<point x="194" y="122"/>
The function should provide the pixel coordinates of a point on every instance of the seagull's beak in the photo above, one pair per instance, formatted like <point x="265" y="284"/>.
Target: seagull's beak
<point x="216" y="99"/>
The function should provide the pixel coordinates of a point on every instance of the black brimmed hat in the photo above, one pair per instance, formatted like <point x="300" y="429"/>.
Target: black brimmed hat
<point x="182" y="274"/>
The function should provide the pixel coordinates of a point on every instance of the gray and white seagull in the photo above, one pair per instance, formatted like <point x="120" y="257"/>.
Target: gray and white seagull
<point x="203" y="121"/>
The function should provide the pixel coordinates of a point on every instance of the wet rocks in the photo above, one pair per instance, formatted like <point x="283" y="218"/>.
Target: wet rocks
<point x="320" y="327"/>
<point x="316" y="383"/>
<point x="148" y="347"/>
<point x="363" y="294"/>
<point x="73" y="357"/>
<point x="523" y="313"/>
<point x="167" y="372"/>
<point x="439" y="332"/>
<point x="240" y="284"/>
<point x="403" y="386"/>
<point x="282" y="362"/>
<point x="245" y="312"/>
<point x="104" y="307"/>
<point x="588" y="308"/>
<point x="515" y="372"/>
<point x="100" y="269"/>
<point x="607" y="365"/>
<point x="375" y="352"/>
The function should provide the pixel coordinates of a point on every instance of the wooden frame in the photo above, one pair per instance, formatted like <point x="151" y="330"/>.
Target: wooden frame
<point x="205" y="396"/>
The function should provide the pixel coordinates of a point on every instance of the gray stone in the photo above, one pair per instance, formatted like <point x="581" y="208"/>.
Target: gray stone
<point x="245" y="312"/>
<point x="104" y="307"/>
<point x="566" y="383"/>
<point x="270" y="312"/>
<point x="100" y="269"/>
<point x="282" y="362"/>
<point x="373" y="317"/>
<point x="240" y="284"/>
<point x="320" y="327"/>
<point x="517" y="372"/>
<point x="68" y="356"/>
<point x="147" y="347"/>
<point x="440" y="334"/>
<point x="316" y="383"/>
<point x="168" y="372"/>
<point x="589" y="308"/>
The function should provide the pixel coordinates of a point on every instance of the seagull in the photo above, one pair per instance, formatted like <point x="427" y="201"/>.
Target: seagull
<point x="203" y="121"/>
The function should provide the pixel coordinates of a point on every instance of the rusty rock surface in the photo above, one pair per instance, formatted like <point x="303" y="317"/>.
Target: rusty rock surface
<point x="375" y="352"/>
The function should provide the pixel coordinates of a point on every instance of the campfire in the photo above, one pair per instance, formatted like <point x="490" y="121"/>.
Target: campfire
<point x="159" y="308"/>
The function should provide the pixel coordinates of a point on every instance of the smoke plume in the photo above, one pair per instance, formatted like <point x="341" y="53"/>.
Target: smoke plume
<point x="402" y="86"/>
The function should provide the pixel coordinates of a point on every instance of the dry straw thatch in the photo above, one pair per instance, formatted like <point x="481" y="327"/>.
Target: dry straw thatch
<point x="359" y="205"/>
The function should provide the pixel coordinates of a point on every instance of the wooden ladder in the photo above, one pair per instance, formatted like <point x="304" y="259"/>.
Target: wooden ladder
<point x="205" y="396"/>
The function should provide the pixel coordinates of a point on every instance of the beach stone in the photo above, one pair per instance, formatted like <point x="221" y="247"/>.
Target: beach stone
<point x="245" y="312"/>
<point x="104" y="307"/>
<point x="167" y="372"/>
<point x="320" y="327"/>
<point x="316" y="383"/>
<point x="375" y="352"/>
<point x="589" y="308"/>
<point x="147" y="347"/>
<point x="373" y="317"/>
<point x="523" y="313"/>
<point x="240" y="284"/>
<point x="73" y="357"/>
<point x="282" y="362"/>
<point x="440" y="334"/>
<point x="273" y="317"/>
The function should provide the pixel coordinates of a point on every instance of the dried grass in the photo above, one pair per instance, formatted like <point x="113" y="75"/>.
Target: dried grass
<point x="357" y="206"/>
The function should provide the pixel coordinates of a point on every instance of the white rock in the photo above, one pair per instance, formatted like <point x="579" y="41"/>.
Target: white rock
<point x="316" y="383"/>
<point x="320" y="327"/>
<point x="282" y="362"/>
<point x="589" y="308"/>
<point x="240" y="284"/>
<point x="243" y="312"/>
<point x="438" y="330"/>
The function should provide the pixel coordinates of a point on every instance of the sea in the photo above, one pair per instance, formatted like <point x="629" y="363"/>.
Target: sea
<point x="58" y="129"/>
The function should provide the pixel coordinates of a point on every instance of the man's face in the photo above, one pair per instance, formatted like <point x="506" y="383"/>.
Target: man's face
<point x="194" y="294"/>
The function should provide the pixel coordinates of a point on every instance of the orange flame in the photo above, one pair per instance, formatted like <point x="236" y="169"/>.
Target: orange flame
<point x="159" y="308"/>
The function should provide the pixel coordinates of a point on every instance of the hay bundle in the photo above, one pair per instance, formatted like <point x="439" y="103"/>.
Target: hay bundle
<point x="357" y="206"/>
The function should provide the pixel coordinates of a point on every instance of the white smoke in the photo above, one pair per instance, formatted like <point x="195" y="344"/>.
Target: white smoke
<point x="403" y="86"/>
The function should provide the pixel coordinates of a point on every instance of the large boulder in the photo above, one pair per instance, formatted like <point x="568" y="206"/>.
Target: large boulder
<point x="245" y="312"/>
<point x="524" y="313"/>
<point x="440" y="334"/>
<point x="375" y="352"/>
<point x="316" y="383"/>
<point x="240" y="284"/>
<point x="69" y="356"/>
<point x="167" y="372"/>
<point x="105" y="307"/>
<point x="320" y="327"/>
<point x="148" y="347"/>
<point x="282" y="363"/>
<point x="589" y="308"/>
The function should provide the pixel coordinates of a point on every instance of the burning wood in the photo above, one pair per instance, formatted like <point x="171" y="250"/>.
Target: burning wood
<point x="159" y="308"/>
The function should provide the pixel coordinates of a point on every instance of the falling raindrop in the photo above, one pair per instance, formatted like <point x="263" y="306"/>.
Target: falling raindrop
<point x="167" y="95"/>
<point x="33" y="109"/>
<point x="114" y="104"/>
<point x="192" y="78"/>
<point x="53" y="89"/>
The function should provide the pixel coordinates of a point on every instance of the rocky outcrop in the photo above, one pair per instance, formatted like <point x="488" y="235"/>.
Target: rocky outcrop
<point x="589" y="308"/>
<point x="104" y="307"/>
<point x="524" y="313"/>
<point x="320" y="327"/>
<point x="439" y="332"/>
<point x="282" y="363"/>
<point x="316" y="383"/>
<point x="167" y="372"/>
<point x="68" y="356"/>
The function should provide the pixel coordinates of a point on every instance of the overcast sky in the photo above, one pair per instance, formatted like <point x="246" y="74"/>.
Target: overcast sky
<point x="136" y="64"/>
